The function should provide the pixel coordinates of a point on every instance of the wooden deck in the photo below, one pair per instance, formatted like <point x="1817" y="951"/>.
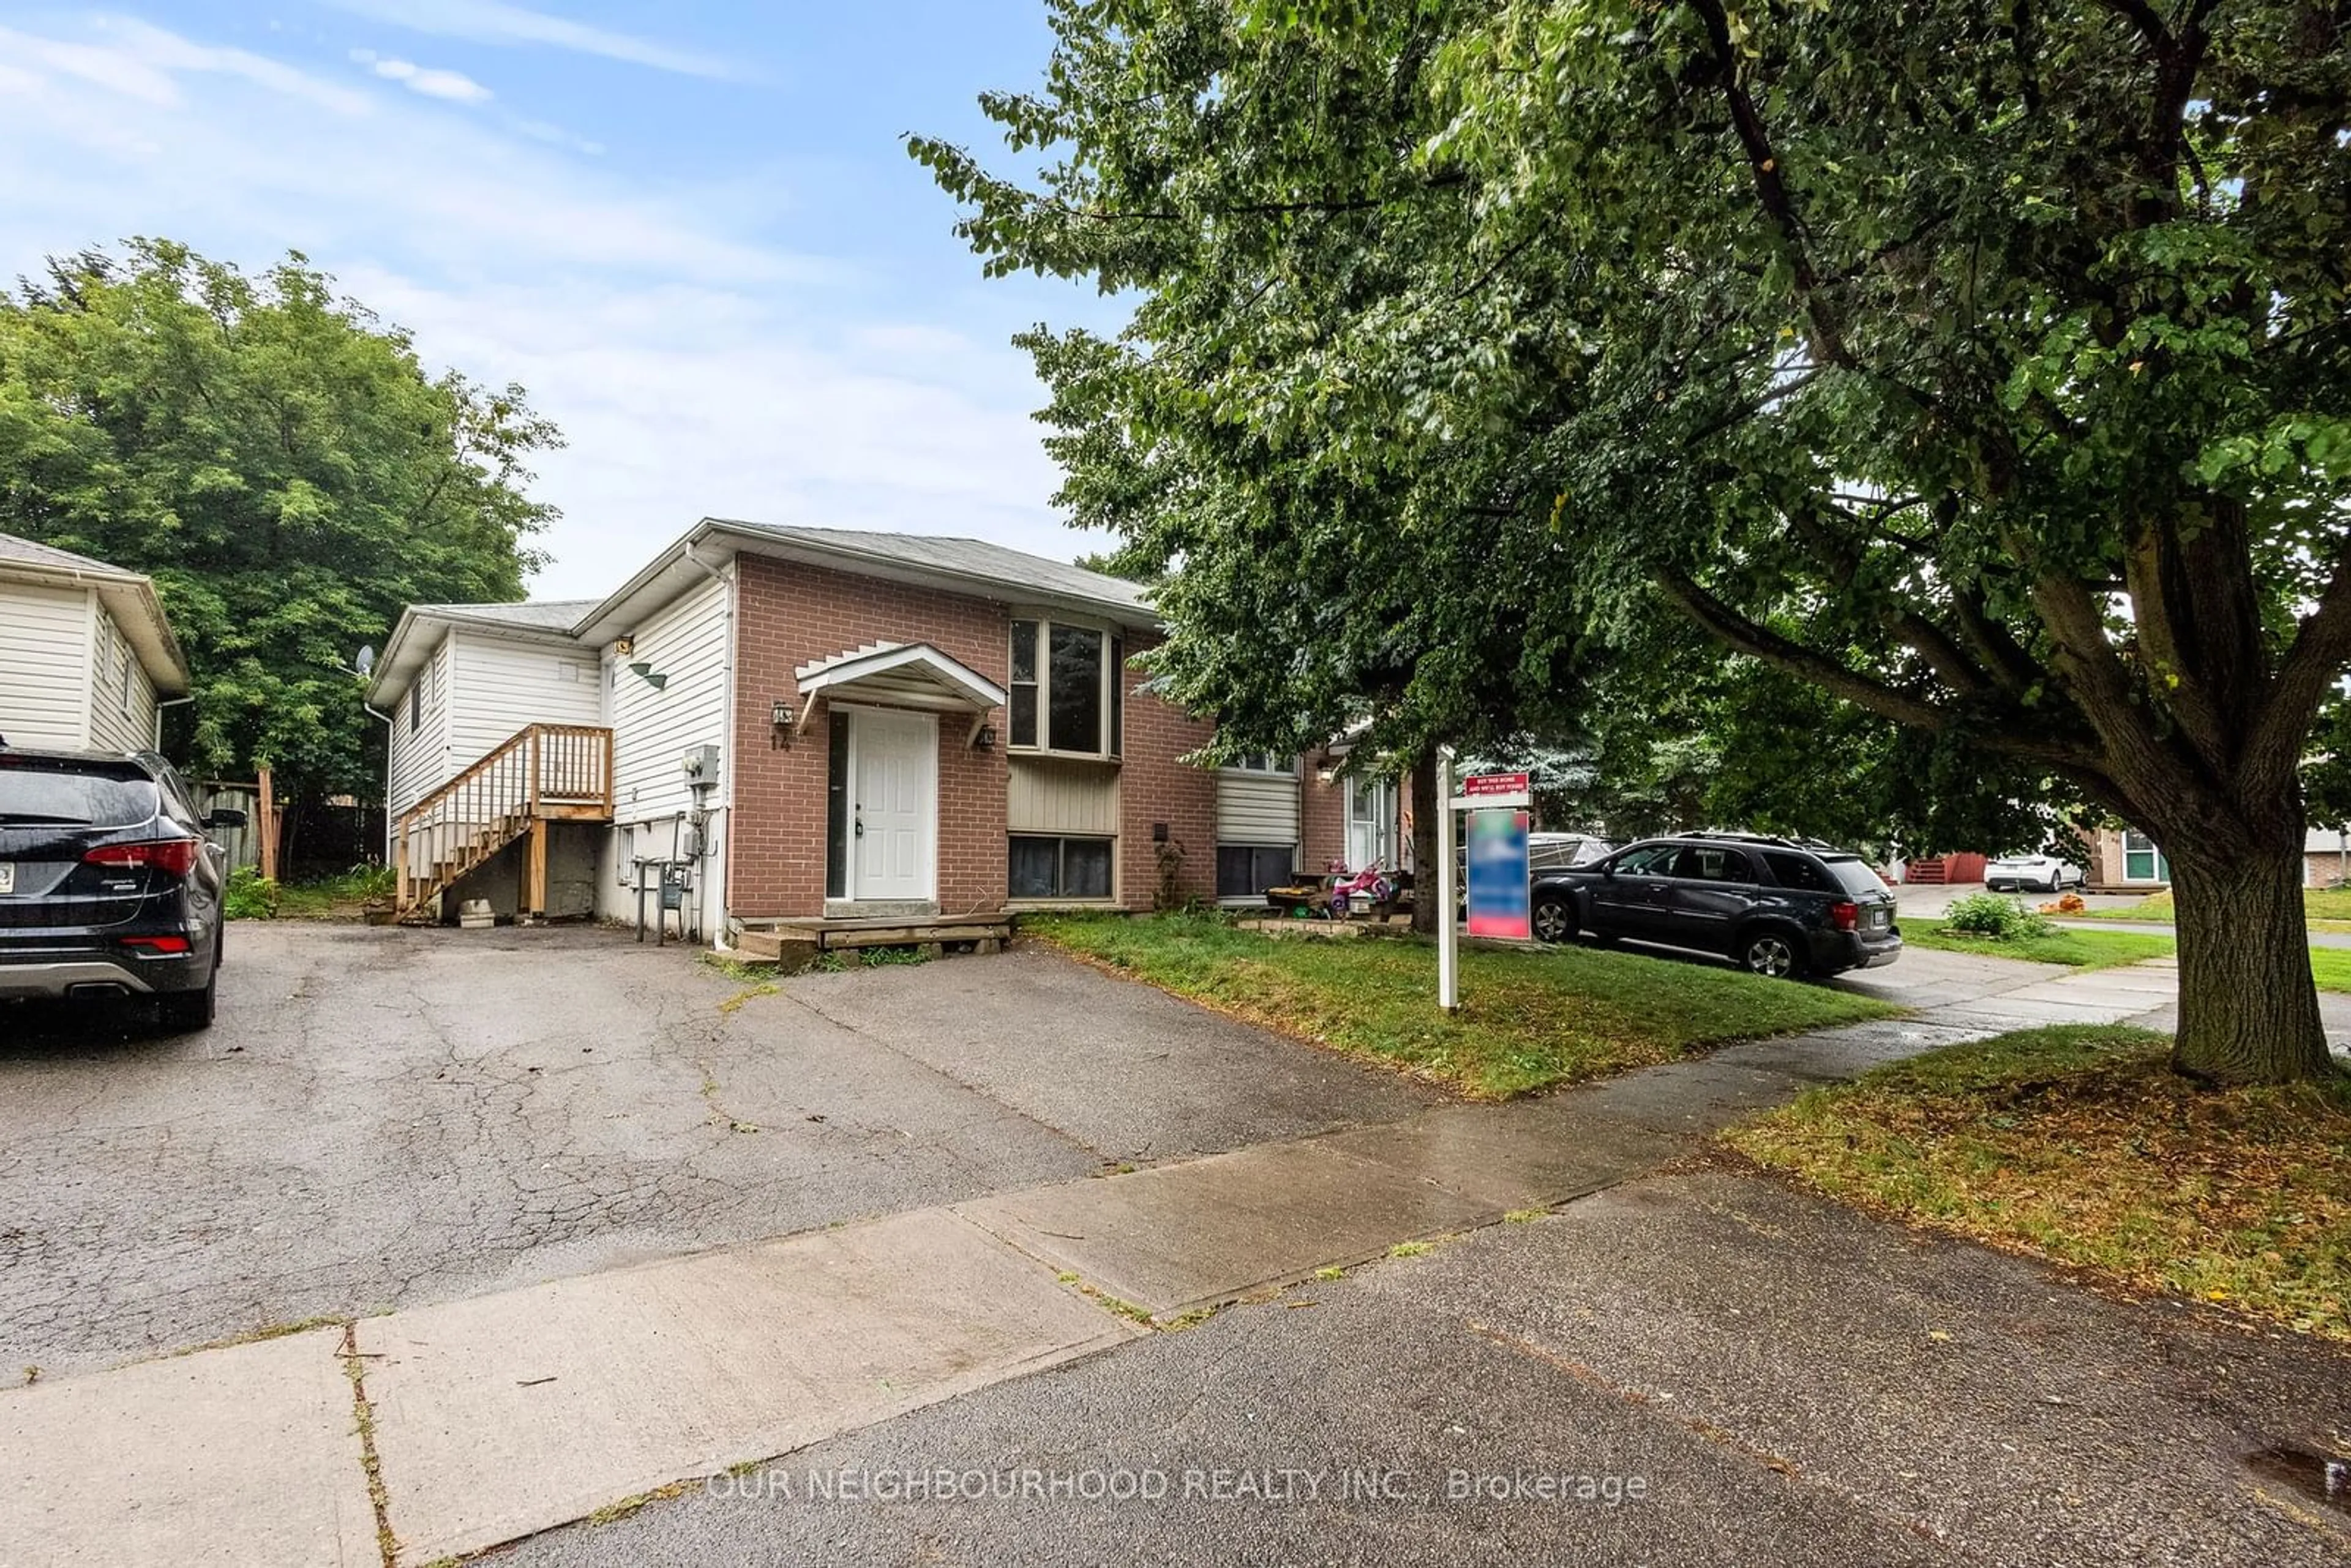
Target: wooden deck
<point x="786" y="939"/>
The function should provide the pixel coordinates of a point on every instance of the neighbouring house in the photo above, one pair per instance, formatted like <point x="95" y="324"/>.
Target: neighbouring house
<point x="773" y="724"/>
<point x="2126" y="860"/>
<point x="2326" y="858"/>
<point x="86" y="659"/>
<point x="1939" y="870"/>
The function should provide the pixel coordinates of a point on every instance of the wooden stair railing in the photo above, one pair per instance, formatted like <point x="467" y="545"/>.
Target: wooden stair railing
<point x="543" y="772"/>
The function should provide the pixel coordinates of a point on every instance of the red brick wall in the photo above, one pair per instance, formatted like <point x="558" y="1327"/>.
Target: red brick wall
<point x="1321" y="818"/>
<point x="787" y="615"/>
<point x="1154" y="787"/>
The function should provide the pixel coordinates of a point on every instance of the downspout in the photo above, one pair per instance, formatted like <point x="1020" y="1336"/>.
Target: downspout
<point x="386" y="718"/>
<point x="161" y="704"/>
<point x="720" y="576"/>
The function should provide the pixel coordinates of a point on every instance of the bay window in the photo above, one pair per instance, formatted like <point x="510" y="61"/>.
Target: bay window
<point x="1024" y="683"/>
<point x="1065" y="693"/>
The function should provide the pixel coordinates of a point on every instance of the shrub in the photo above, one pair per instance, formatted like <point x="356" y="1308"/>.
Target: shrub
<point x="1994" y="918"/>
<point x="249" y="896"/>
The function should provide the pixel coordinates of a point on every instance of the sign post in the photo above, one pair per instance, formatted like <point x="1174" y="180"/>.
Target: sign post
<point x="1448" y="941"/>
<point x="1498" y="805"/>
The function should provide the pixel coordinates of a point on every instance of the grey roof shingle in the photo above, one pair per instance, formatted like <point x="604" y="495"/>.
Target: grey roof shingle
<point x="537" y="615"/>
<point x="970" y="558"/>
<point x="33" y="553"/>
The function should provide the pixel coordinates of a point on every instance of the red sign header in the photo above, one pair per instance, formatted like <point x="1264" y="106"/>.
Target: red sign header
<point x="1496" y="784"/>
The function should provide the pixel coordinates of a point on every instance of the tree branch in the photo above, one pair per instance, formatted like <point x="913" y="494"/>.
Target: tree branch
<point x="2172" y="670"/>
<point x="2322" y="647"/>
<point x="1771" y="188"/>
<point x="1761" y="643"/>
<point x="2013" y="669"/>
<point x="2142" y="18"/>
<point x="1258" y="209"/>
<point x="2101" y="689"/>
<point x="1926" y="639"/>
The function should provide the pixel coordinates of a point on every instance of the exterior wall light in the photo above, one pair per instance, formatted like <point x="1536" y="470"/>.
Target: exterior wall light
<point x="647" y="673"/>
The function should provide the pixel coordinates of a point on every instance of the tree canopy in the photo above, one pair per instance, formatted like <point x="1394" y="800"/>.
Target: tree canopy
<point x="1984" y="367"/>
<point x="282" y="465"/>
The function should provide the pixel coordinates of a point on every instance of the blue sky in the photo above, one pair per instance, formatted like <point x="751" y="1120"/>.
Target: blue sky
<point x="689" y="229"/>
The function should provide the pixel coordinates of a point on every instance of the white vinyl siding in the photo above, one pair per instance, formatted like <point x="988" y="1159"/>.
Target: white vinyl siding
<point x="123" y="705"/>
<point x="498" y="685"/>
<point x="1061" y="798"/>
<point x="420" y="758"/>
<point x="1257" y="808"/>
<point x="652" y="730"/>
<point x="46" y="657"/>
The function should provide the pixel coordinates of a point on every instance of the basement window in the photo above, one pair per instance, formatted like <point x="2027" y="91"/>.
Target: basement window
<point x="1045" y="868"/>
<point x="1246" y="871"/>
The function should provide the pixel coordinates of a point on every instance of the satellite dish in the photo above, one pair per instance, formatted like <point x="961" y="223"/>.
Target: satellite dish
<point x="365" y="662"/>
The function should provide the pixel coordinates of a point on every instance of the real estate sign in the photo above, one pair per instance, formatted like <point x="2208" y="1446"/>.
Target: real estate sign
<point x="1497" y="874"/>
<point x="1480" y="791"/>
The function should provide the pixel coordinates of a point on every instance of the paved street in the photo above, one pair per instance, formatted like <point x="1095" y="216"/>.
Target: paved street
<point x="1732" y="1371"/>
<point x="385" y="1118"/>
<point x="1794" y="1384"/>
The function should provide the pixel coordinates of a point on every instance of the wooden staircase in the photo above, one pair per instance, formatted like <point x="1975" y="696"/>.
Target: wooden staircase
<point x="545" y="773"/>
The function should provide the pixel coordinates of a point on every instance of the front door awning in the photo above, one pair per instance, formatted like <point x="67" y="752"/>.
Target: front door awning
<point x="897" y="675"/>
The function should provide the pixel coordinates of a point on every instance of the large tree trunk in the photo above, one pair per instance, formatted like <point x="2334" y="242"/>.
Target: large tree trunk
<point x="1426" y="811"/>
<point x="2248" y="1009"/>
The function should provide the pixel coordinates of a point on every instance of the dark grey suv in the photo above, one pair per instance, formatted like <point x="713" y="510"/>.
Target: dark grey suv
<point x="1773" y="905"/>
<point x="108" y="885"/>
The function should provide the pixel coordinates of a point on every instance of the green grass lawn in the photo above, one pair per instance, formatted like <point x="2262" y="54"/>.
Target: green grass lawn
<point x="2330" y="967"/>
<point x="2326" y="909"/>
<point x="2076" y="949"/>
<point x="344" y="897"/>
<point x="2077" y="1145"/>
<point x="1529" y="1020"/>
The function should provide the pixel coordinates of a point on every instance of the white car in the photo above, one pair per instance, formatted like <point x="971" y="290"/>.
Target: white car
<point x="2032" y="873"/>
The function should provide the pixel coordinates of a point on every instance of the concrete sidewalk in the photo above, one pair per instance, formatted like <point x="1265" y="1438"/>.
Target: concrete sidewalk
<point x="488" y="1419"/>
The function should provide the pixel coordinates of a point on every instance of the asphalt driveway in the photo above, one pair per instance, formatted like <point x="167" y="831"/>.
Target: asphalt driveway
<point x="387" y="1118"/>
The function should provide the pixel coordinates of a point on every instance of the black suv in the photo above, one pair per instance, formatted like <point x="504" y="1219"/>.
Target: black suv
<point x="108" y="885"/>
<point x="1775" y="906"/>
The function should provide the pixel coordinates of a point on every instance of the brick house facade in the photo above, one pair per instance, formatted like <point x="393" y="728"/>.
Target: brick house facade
<point x="820" y="723"/>
<point x="1321" y="820"/>
<point x="1156" y="788"/>
<point x="789" y="614"/>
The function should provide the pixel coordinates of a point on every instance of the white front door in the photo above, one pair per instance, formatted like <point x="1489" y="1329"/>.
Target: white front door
<point x="893" y="776"/>
<point x="1371" y="824"/>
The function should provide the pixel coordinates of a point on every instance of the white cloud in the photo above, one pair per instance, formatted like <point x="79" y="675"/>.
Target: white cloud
<point x="151" y="48"/>
<point x="695" y="365"/>
<point x="134" y="60"/>
<point x="556" y="136"/>
<point x="455" y="86"/>
<point x="495" y="22"/>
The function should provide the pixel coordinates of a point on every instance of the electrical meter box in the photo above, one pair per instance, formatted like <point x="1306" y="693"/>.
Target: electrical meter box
<point x="701" y="763"/>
